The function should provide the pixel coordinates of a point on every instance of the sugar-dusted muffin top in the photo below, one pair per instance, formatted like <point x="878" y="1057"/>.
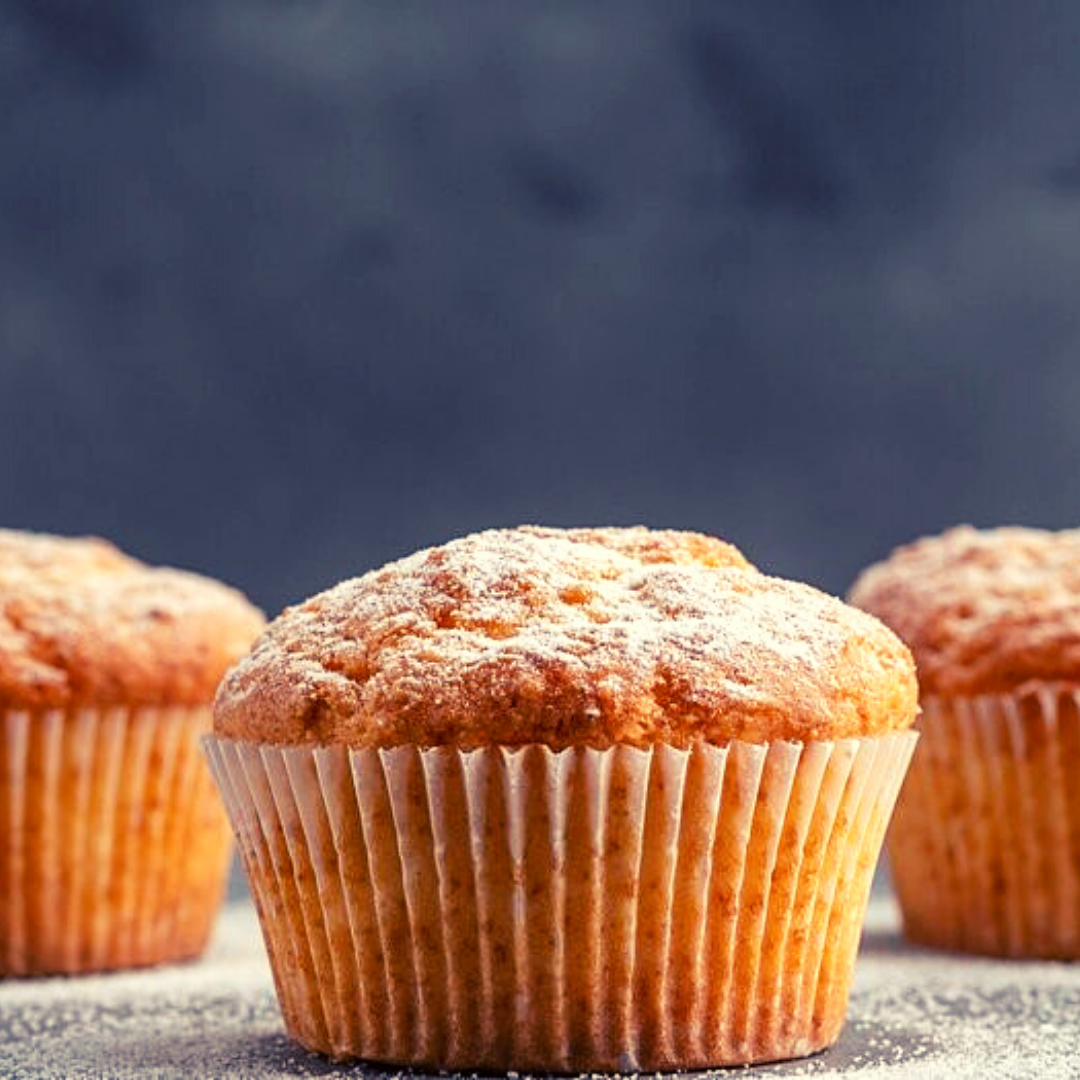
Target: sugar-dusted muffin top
<point x="83" y="624"/>
<point x="982" y="611"/>
<point x="568" y="637"/>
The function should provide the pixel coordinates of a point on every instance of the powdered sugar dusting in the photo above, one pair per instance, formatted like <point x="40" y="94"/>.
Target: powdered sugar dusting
<point x="80" y="622"/>
<point x="914" y="1014"/>
<point x="513" y="635"/>
<point x="984" y="611"/>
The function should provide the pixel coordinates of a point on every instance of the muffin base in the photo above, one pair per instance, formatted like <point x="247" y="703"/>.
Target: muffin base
<point x="522" y="909"/>
<point x="985" y="845"/>
<point x="113" y="844"/>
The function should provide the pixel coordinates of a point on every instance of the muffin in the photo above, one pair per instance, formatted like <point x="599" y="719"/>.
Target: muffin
<point x="564" y="800"/>
<point x="113" y="844"/>
<point x="985" y="845"/>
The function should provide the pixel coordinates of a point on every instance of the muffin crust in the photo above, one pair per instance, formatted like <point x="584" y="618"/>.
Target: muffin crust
<point x="983" y="611"/>
<point x="83" y="624"/>
<point x="588" y="637"/>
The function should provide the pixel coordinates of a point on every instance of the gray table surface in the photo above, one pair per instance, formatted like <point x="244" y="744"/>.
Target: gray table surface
<point x="913" y="1013"/>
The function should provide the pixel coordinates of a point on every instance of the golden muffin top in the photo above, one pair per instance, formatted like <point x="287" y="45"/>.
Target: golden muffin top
<point x="579" y="637"/>
<point x="82" y="624"/>
<point x="983" y="611"/>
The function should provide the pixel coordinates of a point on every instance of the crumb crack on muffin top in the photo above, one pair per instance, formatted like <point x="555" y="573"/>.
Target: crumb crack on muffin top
<point x="983" y="611"/>
<point x="82" y="624"/>
<point x="568" y="637"/>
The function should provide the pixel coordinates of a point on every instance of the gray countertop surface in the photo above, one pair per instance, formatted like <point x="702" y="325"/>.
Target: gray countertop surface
<point x="913" y="1013"/>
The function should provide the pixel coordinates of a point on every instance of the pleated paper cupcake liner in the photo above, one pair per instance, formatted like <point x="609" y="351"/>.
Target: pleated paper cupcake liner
<point x="525" y="909"/>
<point x="985" y="846"/>
<point x="114" y="846"/>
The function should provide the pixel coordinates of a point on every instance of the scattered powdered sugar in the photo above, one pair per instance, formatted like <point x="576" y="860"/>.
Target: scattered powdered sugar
<point x="80" y="622"/>
<point x="509" y="635"/>
<point x="914" y="1014"/>
<point x="919" y="1013"/>
<point x="982" y="610"/>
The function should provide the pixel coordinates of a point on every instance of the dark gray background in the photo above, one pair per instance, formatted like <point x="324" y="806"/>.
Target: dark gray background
<point x="289" y="289"/>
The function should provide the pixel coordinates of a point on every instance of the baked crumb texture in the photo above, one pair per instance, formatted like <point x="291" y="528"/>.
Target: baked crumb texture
<point x="982" y="611"/>
<point x="83" y="624"/>
<point x="580" y="637"/>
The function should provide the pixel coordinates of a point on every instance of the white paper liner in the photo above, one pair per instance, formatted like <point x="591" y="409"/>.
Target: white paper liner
<point x="113" y="843"/>
<point x="985" y="845"/>
<point x="524" y="909"/>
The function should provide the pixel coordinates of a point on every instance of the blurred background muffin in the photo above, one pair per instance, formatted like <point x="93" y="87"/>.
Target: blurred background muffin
<point x="985" y="845"/>
<point x="113" y="844"/>
<point x="565" y="800"/>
